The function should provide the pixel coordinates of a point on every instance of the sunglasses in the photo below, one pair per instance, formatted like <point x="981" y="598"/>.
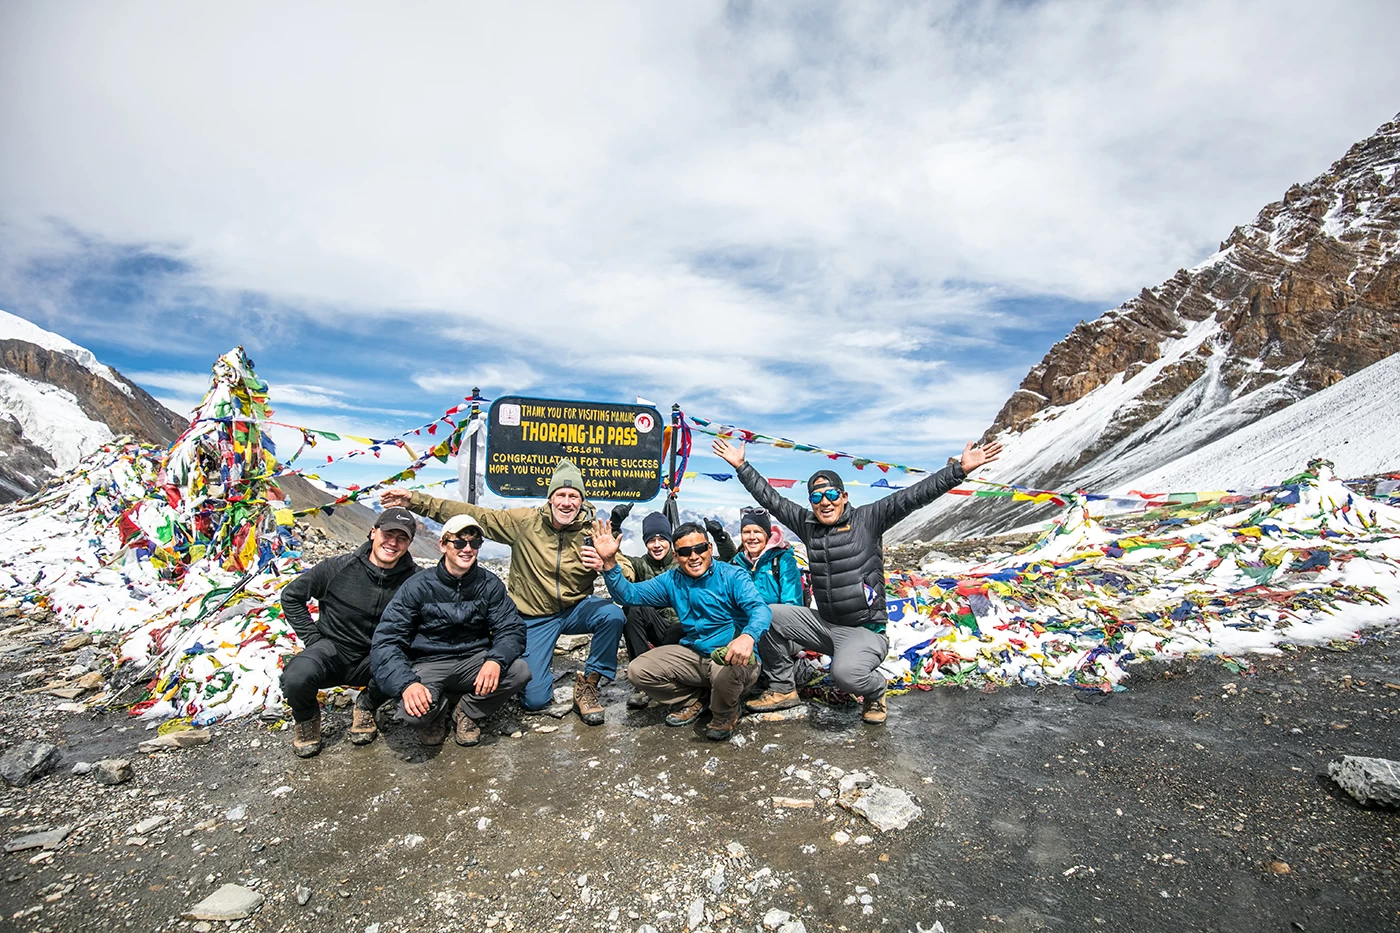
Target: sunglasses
<point x="830" y="494"/>
<point x="693" y="549"/>
<point x="473" y="542"/>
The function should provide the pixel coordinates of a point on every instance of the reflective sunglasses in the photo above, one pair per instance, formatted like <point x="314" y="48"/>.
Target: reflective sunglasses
<point x="831" y="494"/>
<point x="473" y="542"/>
<point x="700" y="548"/>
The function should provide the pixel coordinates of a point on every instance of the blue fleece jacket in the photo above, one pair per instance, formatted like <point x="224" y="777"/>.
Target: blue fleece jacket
<point x="714" y="608"/>
<point x="775" y="575"/>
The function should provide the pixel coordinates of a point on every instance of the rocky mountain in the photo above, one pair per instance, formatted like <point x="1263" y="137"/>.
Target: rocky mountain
<point x="1306" y="295"/>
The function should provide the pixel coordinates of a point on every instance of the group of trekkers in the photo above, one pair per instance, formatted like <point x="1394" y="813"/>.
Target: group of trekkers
<point x="698" y="630"/>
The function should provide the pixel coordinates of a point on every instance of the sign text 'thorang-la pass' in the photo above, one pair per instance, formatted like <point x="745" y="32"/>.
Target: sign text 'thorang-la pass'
<point x="617" y="447"/>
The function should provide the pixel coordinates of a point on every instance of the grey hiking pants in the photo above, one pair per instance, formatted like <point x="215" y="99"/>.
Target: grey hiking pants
<point x="677" y="674"/>
<point x="458" y="675"/>
<point x="855" y="652"/>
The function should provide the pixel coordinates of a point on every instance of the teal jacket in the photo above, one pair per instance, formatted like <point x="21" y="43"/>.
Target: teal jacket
<point x="775" y="575"/>
<point x="714" y="609"/>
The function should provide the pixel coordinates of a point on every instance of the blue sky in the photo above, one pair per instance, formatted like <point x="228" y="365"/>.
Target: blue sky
<point x="856" y="225"/>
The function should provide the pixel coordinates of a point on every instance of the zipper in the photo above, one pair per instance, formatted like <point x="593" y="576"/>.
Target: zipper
<point x="558" y="572"/>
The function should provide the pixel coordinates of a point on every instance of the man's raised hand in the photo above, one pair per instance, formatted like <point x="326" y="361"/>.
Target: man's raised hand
<point x="734" y="456"/>
<point x="974" y="457"/>
<point x="602" y="555"/>
<point x="395" y="499"/>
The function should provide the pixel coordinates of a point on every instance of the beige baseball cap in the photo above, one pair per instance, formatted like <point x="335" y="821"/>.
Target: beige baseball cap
<point x="459" y="523"/>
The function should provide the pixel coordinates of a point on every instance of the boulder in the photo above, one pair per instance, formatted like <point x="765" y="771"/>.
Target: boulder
<point x="1369" y="780"/>
<point x="112" y="771"/>
<point x="27" y="762"/>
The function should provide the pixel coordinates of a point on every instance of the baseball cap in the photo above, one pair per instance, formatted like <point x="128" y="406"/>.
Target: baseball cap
<point x="397" y="519"/>
<point x="459" y="523"/>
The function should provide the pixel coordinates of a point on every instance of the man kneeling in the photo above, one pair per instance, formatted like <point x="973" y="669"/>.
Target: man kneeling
<point x="451" y="629"/>
<point x="721" y="617"/>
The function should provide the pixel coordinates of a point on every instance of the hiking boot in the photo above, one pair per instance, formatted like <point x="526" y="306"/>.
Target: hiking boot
<point x="362" y="726"/>
<point x="465" y="730"/>
<point x="720" y="731"/>
<point x="683" y="714"/>
<point x="638" y="700"/>
<point x="433" y="733"/>
<point x="774" y="700"/>
<point x="873" y="710"/>
<point x="306" y="740"/>
<point x="588" y="699"/>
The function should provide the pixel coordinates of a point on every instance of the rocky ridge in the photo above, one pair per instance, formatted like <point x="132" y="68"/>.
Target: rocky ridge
<point x="1306" y="295"/>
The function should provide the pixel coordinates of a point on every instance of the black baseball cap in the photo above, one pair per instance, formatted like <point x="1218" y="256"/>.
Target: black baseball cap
<point x="397" y="519"/>
<point x="833" y="479"/>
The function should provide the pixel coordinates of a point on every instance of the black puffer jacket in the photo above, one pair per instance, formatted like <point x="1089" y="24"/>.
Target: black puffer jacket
<point x="847" y="559"/>
<point x="436" y="616"/>
<point x="352" y="593"/>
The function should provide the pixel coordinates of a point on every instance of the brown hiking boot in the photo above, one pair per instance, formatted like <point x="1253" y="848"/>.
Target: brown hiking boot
<point x="873" y="710"/>
<point x="433" y="733"/>
<point x="362" y="726"/>
<point x="720" y="731"/>
<point x="774" y="700"/>
<point x="588" y="700"/>
<point x="638" y="700"/>
<point x="306" y="740"/>
<point x="683" y="714"/>
<point x="465" y="730"/>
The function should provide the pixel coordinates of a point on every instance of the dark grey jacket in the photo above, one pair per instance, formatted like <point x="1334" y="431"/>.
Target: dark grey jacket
<point x="352" y="593"/>
<point x="436" y="616"/>
<point x="847" y="559"/>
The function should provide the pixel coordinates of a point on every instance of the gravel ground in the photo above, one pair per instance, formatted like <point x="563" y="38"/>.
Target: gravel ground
<point x="1195" y="800"/>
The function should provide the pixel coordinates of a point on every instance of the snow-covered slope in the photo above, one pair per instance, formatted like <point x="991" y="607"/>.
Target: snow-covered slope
<point x="17" y="328"/>
<point x="1352" y="423"/>
<point x="51" y="419"/>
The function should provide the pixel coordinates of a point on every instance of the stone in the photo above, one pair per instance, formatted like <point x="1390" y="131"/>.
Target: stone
<point x="229" y="902"/>
<point x="303" y="895"/>
<point x="112" y="771"/>
<point x="27" y="762"/>
<point x="716" y="882"/>
<point x="45" y="840"/>
<point x="90" y="681"/>
<point x="793" y="803"/>
<point x="203" y="926"/>
<point x="1369" y="780"/>
<point x="793" y="926"/>
<point x="146" y="825"/>
<point x="775" y="918"/>
<point x="887" y="808"/>
<point x="76" y="642"/>
<point x="234" y="814"/>
<point x="736" y="850"/>
<point x="695" y="914"/>
<point x="181" y="738"/>
<point x="82" y="767"/>
<point x="67" y="693"/>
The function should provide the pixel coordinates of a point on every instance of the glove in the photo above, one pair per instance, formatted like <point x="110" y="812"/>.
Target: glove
<point x="619" y="515"/>
<point x="718" y="656"/>
<point x="714" y="528"/>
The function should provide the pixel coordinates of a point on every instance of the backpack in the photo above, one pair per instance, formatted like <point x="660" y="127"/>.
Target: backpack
<point x="803" y="574"/>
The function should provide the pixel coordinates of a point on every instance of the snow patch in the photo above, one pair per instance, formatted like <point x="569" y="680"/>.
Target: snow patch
<point x="13" y="327"/>
<point x="51" y="419"/>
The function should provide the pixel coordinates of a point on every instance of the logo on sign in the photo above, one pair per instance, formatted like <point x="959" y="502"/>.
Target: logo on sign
<point x="644" y="422"/>
<point x="510" y="415"/>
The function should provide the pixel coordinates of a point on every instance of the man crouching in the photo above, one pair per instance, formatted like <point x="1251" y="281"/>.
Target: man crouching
<point x="451" y="629"/>
<point x="721" y="616"/>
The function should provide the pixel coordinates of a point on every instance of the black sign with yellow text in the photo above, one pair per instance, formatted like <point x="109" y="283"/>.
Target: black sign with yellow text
<point x="616" y="447"/>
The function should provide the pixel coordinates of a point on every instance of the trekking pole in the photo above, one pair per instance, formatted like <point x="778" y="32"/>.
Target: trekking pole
<point x="471" y="458"/>
<point x="672" y="507"/>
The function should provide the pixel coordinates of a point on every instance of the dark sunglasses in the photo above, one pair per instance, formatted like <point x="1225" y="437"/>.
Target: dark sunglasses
<point x="831" y="494"/>
<point x="688" y="550"/>
<point x="474" y="542"/>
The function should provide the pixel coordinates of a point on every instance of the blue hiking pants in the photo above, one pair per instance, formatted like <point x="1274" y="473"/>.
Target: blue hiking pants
<point x="601" y="618"/>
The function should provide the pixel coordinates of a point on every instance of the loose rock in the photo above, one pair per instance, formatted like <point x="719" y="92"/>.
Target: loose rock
<point x="44" y="840"/>
<point x="27" y="762"/>
<point x="229" y="902"/>
<point x="1369" y="780"/>
<point x="887" y="808"/>
<point x="112" y="771"/>
<point x="183" y="738"/>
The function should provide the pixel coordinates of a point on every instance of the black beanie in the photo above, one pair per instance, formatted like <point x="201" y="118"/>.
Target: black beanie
<point x="656" y="524"/>
<point x="757" y="517"/>
<point x="833" y="478"/>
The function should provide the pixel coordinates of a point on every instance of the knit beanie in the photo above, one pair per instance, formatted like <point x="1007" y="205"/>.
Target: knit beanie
<point x="757" y="517"/>
<point x="655" y="524"/>
<point x="566" y="476"/>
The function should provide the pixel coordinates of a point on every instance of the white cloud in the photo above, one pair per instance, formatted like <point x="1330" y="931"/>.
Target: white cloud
<point x="687" y="198"/>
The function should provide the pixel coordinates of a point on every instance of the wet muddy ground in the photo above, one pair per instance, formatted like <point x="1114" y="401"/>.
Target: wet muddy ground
<point x="1194" y="800"/>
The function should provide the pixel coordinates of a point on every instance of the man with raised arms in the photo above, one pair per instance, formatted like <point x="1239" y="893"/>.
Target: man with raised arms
<point x="548" y="581"/>
<point x="845" y="553"/>
<point x="721" y="617"/>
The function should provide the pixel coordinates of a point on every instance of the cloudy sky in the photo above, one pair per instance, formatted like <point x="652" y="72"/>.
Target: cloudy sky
<point x="856" y="225"/>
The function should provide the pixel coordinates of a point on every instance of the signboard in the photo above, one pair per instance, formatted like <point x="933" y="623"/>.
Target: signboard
<point x="616" y="447"/>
